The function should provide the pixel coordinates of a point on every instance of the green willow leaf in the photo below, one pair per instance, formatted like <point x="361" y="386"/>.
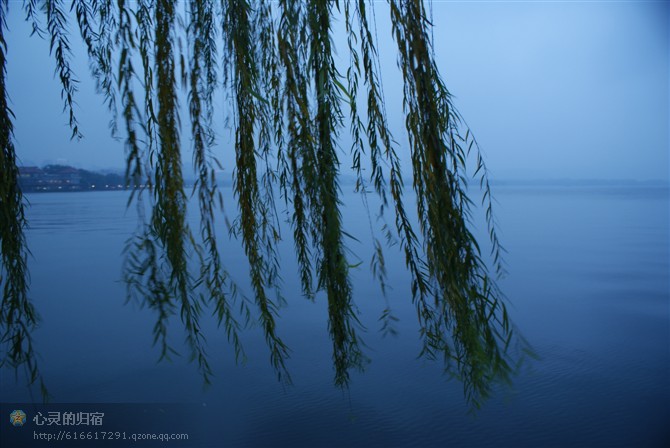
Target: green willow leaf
<point x="289" y="103"/>
<point x="18" y="317"/>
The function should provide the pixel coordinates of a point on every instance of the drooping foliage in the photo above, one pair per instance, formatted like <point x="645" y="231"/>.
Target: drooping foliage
<point x="17" y="314"/>
<point x="290" y="104"/>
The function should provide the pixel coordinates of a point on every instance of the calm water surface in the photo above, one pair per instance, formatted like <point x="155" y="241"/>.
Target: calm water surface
<point x="588" y="286"/>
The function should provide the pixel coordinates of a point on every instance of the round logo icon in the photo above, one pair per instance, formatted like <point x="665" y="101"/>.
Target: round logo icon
<point x="17" y="417"/>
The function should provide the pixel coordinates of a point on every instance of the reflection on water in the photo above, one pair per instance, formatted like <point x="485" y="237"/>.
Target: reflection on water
<point x="588" y="286"/>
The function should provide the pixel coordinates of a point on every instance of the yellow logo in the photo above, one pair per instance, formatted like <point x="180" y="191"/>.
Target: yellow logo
<point x="17" y="417"/>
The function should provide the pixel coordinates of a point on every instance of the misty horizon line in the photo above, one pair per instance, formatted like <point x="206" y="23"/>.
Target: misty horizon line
<point x="348" y="178"/>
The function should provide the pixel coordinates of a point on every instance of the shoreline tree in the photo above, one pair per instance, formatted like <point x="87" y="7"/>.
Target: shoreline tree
<point x="290" y="104"/>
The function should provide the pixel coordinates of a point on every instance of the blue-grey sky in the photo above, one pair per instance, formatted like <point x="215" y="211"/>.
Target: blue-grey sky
<point x="551" y="89"/>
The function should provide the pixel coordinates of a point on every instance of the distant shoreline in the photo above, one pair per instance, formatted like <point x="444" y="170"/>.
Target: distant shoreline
<point x="580" y="183"/>
<point x="67" y="179"/>
<point x="63" y="178"/>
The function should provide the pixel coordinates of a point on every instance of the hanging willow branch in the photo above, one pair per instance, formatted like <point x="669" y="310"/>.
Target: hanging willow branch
<point x="289" y="103"/>
<point x="462" y="317"/>
<point x="18" y="317"/>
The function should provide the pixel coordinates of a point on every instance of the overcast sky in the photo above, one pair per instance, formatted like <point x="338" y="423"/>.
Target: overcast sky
<point x="551" y="89"/>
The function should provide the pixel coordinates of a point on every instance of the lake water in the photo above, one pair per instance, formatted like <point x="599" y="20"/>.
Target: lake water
<point x="588" y="287"/>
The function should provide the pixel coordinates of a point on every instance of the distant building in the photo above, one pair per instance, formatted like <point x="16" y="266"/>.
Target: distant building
<point x="26" y="172"/>
<point x="31" y="178"/>
<point x="63" y="177"/>
<point x="66" y="178"/>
